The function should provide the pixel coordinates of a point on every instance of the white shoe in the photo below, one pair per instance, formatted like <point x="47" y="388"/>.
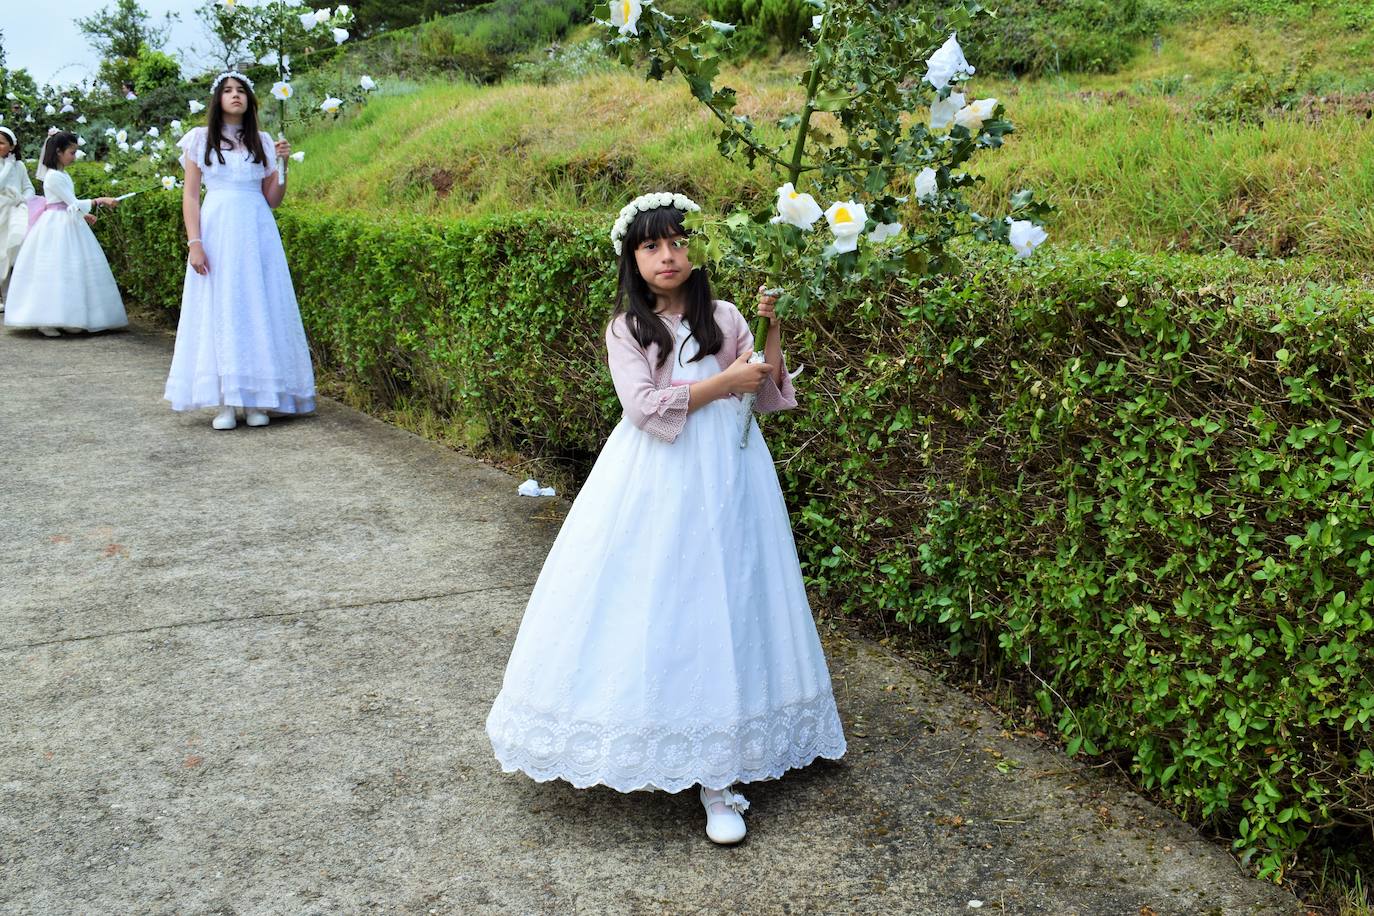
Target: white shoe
<point x="225" y="419"/>
<point x="50" y="332"/>
<point x="723" y="809"/>
<point x="256" y="417"/>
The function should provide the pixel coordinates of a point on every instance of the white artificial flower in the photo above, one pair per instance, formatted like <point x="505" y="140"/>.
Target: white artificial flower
<point x="159" y="144"/>
<point x="109" y="131"/>
<point x="846" y="220"/>
<point x="723" y="28"/>
<point x="138" y="147"/>
<point x="123" y="147"/>
<point x="321" y="15"/>
<point x="122" y="137"/>
<point x="196" y="107"/>
<point x="67" y="109"/>
<point x="342" y="10"/>
<point x="625" y="15"/>
<point x="340" y="36"/>
<point x="942" y="113"/>
<point x="947" y="64"/>
<point x="308" y="21"/>
<point x="268" y="59"/>
<point x="298" y="155"/>
<point x="153" y="131"/>
<point x="81" y="119"/>
<point x="927" y="188"/>
<point x="797" y="209"/>
<point x="81" y="154"/>
<point x="972" y="115"/>
<point x="11" y="96"/>
<point x="816" y="22"/>
<point x="1025" y="236"/>
<point x="80" y="141"/>
<point x="229" y="4"/>
<point x="176" y="127"/>
<point x="130" y="95"/>
<point x="169" y="182"/>
<point x="331" y="105"/>
<point x="282" y="90"/>
<point x="884" y="231"/>
<point x="109" y="167"/>
<point x="49" y="109"/>
<point x="367" y="83"/>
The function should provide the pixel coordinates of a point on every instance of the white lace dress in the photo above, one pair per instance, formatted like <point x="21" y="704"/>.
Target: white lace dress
<point x="668" y="641"/>
<point x="239" y="340"/>
<point x="15" y="191"/>
<point x="61" y="278"/>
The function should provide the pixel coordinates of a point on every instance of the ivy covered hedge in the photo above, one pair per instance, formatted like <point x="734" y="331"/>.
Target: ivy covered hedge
<point x="1144" y="483"/>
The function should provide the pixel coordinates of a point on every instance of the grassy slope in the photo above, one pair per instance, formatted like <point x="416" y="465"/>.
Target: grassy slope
<point x="1121" y="155"/>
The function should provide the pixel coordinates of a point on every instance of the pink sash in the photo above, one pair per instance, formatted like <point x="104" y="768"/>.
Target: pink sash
<point x="38" y="206"/>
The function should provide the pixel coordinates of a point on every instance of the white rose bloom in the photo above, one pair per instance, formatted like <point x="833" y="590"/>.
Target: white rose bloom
<point x="122" y="137"/>
<point x="196" y="107"/>
<point x="625" y="15"/>
<point x="308" y="21"/>
<point x="947" y="63"/>
<point x="884" y="231"/>
<point x="340" y="36"/>
<point x="846" y="220"/>
<point x="797" y="209"/>
<point x="927" y="188"/>
<point x="942" y="113"/>
<point x="1025" y="236"/>
<point x="298" y="155"/>
<point x="153" y="131"/>
<point x="972" y="115"/>
<point x="367" y="83"/>
<point x="331" y="105"/>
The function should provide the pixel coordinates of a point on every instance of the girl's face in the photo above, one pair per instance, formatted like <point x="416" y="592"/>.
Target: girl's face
<point x="67" y="156"/>
<point x="233" y="97"/>
<point x="6" y="147"/>
<point x="663" y="263"/>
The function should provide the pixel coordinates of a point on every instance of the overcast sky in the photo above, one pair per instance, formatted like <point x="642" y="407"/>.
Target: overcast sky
<point x="42" y="38"/>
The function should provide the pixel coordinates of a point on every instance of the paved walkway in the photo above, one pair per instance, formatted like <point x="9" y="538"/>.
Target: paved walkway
<point x="247" y="672"/>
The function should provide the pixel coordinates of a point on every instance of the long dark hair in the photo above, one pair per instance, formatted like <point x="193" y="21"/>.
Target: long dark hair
<point x="216" y="142"/>
<point x="635" y="300"/>
<point x="54" y="147"/>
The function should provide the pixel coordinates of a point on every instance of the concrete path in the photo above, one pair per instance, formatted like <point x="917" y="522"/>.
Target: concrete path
<point x="247" y="672"/>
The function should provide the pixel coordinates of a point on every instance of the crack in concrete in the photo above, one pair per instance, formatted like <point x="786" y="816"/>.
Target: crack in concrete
<point x="214" y="620"/>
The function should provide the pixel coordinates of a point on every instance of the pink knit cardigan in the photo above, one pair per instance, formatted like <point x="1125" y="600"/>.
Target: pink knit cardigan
<point x="657" y="406"/>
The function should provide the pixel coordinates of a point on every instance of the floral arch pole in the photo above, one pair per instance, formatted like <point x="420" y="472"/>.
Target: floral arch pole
<point x="895" y="174"/>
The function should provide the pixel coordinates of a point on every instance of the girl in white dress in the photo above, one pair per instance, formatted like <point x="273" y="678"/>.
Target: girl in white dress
<point x="668" y="642"/>
<point x="16" y="190"/>
<point x="240" y="343"/>
<point x="61" y="278"/>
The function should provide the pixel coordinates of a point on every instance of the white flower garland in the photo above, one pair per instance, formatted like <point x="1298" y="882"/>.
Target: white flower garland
<point x="214" y="87"/>
<point x="643" y="204"/>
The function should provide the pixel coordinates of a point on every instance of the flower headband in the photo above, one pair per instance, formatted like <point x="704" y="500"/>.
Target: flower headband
<point x="214" y="87"/>
<point x="643" y="204"/>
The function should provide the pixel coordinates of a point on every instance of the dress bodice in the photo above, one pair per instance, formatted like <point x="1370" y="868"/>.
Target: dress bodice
<point x="238" y="172"/>
<point x="684" y="348"/>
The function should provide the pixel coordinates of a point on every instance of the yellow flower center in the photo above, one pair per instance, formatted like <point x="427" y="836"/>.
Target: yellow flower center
<point x="794" y="195"/>
<point x="842" y="215"/>
<point x="625" y="10"/>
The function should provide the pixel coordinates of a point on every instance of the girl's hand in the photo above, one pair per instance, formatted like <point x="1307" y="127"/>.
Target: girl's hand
<point x="106" y="202"/>
<point x="89" y="218"/>
<point x="283" y="149"/>
<point x="199" y="263"/>
<point x="744" y="377"/>
<point x="768" y="302"/>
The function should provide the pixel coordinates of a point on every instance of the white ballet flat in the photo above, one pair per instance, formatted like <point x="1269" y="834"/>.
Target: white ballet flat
<point x="256" y="418"/>
<point x="225" y="419"/>
<point x="50" y="332"/>
<point x="724" y="825"/>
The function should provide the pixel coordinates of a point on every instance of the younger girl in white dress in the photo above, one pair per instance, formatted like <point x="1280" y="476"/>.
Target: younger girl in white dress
<point x="61" y="278"/>
<point x="16" y="190"/>
<point x="240" y="343"/>
<point x="668" y="642"/>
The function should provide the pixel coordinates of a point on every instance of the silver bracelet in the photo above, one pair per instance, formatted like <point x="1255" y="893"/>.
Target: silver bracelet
<point x="190" y="242"/>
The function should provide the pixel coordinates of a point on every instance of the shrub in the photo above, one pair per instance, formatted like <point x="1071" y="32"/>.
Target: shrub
<point x="1144" y="483"/>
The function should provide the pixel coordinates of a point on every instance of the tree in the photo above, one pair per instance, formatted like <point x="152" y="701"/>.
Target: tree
<point x="153" y="70"/>
<point x="119" y="34"/>
<point x="229" y="28"/>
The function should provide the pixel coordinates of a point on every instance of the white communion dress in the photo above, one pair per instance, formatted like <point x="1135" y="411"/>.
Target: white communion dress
<point x="16" y="189"/>
<point x="240" y="341"/>
<point x="61" y="278"/>
<point x="668" y="641"/>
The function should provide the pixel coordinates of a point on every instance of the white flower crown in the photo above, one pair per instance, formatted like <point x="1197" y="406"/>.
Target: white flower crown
<point x="643" y="204"/>
<point x="214" y="87"/>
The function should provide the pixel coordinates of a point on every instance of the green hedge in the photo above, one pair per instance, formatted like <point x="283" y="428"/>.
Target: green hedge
<point x="1140" y="484"/>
